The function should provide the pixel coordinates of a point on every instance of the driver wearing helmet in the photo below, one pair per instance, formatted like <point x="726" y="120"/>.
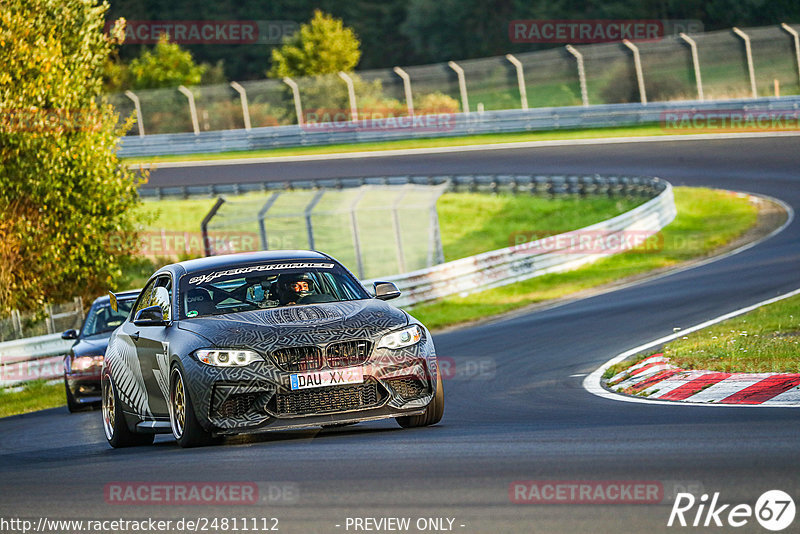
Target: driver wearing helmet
<point x="292" y="287"/>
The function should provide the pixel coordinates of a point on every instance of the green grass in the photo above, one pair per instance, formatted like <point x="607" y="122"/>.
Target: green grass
<point x="36" y="395"/>
<point x="766" y="340"/>
<point x="706" y="220"/>
<point x="486" y="139"/>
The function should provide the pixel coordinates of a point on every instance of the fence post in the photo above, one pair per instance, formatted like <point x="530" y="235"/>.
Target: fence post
<point x="298" y="106"/>
<point x="791" y="31"/>
<point x="192" y="109"/>
<point x="523" y="94"/>
<point x="398" y="235"/>
<point x="356" y="237"/>
<point x="462" y="86"/>
<point x="16" y="322"/>
<point x="581" y="73"/>
<point x="407" y="89"/>
<point x="308" y="210"/>
<point x="137" y="106"/>
<point x="245" y="108"/>
<point x="696" y="63"/>
<point x="204" y="225"/>
<point x="637" y="64"/>
<point x="262" y="214"/>
<point x="749" y="53"/>
<point x="351" y="92"/>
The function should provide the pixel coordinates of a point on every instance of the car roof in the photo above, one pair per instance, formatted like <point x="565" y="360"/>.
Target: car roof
<point x="232" y="260"/>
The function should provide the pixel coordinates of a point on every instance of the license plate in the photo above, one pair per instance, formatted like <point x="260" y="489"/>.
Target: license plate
<point x="316" y="379"/>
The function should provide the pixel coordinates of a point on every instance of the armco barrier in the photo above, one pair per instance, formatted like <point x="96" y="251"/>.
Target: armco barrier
<point x="530" y="120"/>
<point x="512" y="264"/>
<point x="27" y="359"/>
<point x="32" y="358"/>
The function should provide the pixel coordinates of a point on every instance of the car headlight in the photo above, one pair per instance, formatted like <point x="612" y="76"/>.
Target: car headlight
<point x="227" y="357"/>
<point x="86" y="363"/>
<point x="402" y="338"/>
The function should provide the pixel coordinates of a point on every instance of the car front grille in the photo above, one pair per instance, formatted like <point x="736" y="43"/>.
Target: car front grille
<point x="408" y="388"/>
<point x="236" y="405"/>
<point x="298" y="359"/>
<point x="328" y="399"/>
<point x="348" y="353"/>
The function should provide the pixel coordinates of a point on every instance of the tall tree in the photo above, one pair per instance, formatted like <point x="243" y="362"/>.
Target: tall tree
<point x="66" y="202"/>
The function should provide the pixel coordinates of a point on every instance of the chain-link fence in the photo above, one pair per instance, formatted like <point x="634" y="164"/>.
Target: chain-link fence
<point x="374" y="230"/>
<point x="549" y="78"/>
<point x="52" y="320"/>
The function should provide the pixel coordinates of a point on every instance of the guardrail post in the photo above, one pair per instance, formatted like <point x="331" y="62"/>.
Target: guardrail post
<point x="192" y="109"/>
<point x="791" y="31"/>
<point x="262" y="214"/>
<point x="696" y="63"/>
<point x="245" y="108"/>
<point x="637" y="64"/>
<point x="749" y="53"/>
<point x="462" y="86"/>
<point x="298" y="106"/>
<point x="308" y="210"/>
<point x="351" y="92"/>
<point x="407" y="89"/>
<point x="581" y="73"/>
<point x="137" y="106"/>
<point x="204" y="225"/>
<point x="523" y="93"/>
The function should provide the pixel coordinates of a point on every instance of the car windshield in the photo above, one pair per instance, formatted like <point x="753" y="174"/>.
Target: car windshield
<point x="102" y="319"/>
<point x="266" y="285"/>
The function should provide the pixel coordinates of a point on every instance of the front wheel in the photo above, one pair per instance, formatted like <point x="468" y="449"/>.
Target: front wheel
<point x="185" y="427"/>
<point x="116" y="429"/>
<point x="432" y="414"/>
<point x="72" y="405"/>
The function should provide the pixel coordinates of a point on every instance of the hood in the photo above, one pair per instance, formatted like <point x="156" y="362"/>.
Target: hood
<point x="299" y="325"/>
<point x="91" y="346"/>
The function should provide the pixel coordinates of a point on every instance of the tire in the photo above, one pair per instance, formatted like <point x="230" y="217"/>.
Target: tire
<point x="432" y="414"/>
<point x="114" y="425"/>
<point x="72" y="405"/>
<point x="185" y="427"/>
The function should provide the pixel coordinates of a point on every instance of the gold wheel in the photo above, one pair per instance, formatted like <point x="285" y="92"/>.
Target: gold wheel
<point x="178" y="405"/>
<point x="108" y="410"/>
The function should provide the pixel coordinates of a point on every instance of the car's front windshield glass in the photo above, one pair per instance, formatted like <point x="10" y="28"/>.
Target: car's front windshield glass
<point x="266" y="285"/>
<point x="102" y="319"/>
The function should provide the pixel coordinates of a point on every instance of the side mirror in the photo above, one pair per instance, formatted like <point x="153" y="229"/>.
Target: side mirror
<point x="150" y="316"/>
<point x="386" y="291"/>
<point x="69" y="334"/>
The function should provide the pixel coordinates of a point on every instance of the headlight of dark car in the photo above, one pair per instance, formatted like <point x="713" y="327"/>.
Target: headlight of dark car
<point x="227" y="357"/>
<point x="401" y="338"/>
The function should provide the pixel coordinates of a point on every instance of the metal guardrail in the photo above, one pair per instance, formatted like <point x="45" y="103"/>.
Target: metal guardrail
<point x="32" y="358"/>
<point x="41" y="357"/>
<point x="448" y="125"/>
<point x="536" y="258"/>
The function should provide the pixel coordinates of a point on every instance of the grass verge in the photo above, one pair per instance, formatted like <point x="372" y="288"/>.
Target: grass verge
<point x="34" y="396"/>
<point x="485" y="139"/>
<point x="707" y="219"/>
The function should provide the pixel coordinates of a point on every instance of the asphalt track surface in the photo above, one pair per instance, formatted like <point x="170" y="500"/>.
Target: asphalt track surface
<point x="530" y="420"/>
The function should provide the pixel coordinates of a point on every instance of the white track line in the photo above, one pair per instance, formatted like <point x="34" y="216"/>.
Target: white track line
<point x="592" y="382"/>
<point x="456" y="149"/>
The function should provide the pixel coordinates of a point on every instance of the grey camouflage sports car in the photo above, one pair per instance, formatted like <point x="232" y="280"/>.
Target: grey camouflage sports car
<point x="259" y="341"/>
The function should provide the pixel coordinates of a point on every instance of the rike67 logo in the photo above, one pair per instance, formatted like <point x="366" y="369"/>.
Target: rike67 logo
<point x="774" y="510"/>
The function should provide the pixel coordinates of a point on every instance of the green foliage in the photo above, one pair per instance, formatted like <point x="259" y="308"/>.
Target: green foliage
<point x="168" y="65"/>
<point x="323" y="46"/>
<point x="63" y="191"/>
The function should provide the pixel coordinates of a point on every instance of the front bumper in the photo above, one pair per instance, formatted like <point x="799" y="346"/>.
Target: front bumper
<point x="258" y="397"/>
